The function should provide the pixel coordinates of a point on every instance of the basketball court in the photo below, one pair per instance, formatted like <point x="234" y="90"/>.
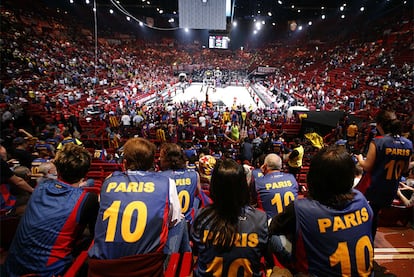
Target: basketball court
<point x="226" y="97"/>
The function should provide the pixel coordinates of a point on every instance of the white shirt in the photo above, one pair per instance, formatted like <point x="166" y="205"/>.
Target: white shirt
<point x="202" y="121"/>
<point x="126" y="120"/>
<point x="175" y="206"/>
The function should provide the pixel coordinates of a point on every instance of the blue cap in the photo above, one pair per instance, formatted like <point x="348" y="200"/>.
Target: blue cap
<point x="341" y="142"/>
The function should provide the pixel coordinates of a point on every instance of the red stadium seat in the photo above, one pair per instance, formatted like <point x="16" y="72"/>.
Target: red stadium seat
<point x="173" y="265"/>
<point x="7" y="233"/>
<point x="186" y="264"/>
<point x="180" y="265"/>
<point x="78" y="263"/>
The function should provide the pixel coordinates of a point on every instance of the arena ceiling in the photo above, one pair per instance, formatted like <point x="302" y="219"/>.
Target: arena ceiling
<point x="272" y="11"/>
<point x="272" y="20"/>
<point x="251" y="8"/>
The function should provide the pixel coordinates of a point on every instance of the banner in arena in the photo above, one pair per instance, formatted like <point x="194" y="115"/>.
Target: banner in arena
<point x="266" y="69"/>
<point x="202" y="14"/>
<point x="150" y="21"/>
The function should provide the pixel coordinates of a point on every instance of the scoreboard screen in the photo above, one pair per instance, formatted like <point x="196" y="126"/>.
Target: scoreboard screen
<point x="218" y="42"/>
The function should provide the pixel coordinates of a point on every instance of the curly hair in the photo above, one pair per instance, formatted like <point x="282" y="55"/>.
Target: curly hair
<point x="72" y="163"/>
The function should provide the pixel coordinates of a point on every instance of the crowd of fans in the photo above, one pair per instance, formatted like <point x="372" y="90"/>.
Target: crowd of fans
<point x="55" y="91"/>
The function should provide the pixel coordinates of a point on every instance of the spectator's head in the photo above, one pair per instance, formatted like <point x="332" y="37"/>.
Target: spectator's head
<point x="205" y="166"/>
<point x="297" y="141"/>
<point x="139" y="154"/>
<point x="171" y="157"/>
<point x="23" y="172"/>
<point x="387" y="122"/>
<point x="19" y="142"/>
<point x="341" y="142"/>
<point x="228" y="188"/>
<point x="72" y="163"/>
<point x="48" y="170"/>
<point x="259" y="161"/>
<point x="271" y="162"/>
<point x="331" y="176"/>
<point x="42" y="136"/>
<point x="66" y="133"/>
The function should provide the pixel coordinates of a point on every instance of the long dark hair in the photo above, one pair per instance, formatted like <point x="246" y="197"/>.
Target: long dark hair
<point x="389" y="122"/>
<point x="331" y="176"/>
<point x="229" y="192"/>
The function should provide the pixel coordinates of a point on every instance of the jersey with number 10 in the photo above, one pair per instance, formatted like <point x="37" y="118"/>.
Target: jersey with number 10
<point x="43" y="245"/>
<point x="392" y="156"/>
<point x="186" y="182"/>
<point x="334" y="242"/>
<point x="275" y="191"/>
<point x="243" y="259"/>
<point x="133" y="215"/>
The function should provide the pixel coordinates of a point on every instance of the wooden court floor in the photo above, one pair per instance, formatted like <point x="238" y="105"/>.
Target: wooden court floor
<point x="394" y="252"/>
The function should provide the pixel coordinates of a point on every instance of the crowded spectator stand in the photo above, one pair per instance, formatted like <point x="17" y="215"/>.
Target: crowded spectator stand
<point x="46" y="92"/>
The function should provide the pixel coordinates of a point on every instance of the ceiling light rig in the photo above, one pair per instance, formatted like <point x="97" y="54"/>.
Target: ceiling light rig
<point x="298" y="10"/>
<point x="141" y="23"/>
